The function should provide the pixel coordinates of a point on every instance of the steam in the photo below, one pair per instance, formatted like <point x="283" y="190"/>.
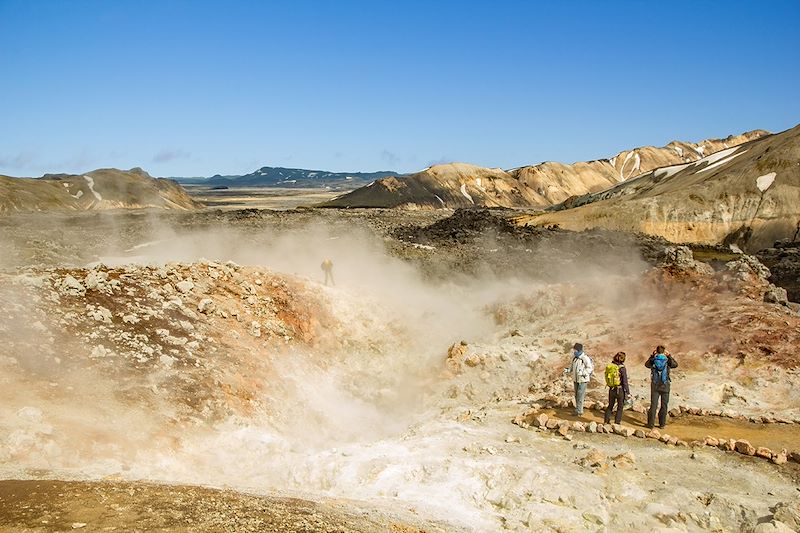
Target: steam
<point x="330" y="419"/>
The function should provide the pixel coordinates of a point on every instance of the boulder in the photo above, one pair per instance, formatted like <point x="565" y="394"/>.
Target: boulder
<point x="72" y="287"/>
<point x="563" y="430"/>
<point x="627" y="458"/>
<point x="131" y="319"/>
<point x="592" y="427"/>
<point x="594" y="458"/>
<point x="640" y="433"/>
<point x="665" y="438"/>
<point x="788" y="513"/>
<point x="748" y="264"/>
<point x="654" y="434"/>
<point x="552" y="423"/>
<point x="540" y="421"/>
<point x="764" y="453"/>
<point x="95" y="279"/>
<point x="780" y="457"/>
<point x="184" y="286"/>
<point x="711" y="441"/>
<point x="681" y="258"/>
<point x="101" y="314"/>
<point x="578" y="426"/>
<point x="776" y="295"/>
<point x="206" y="306"/>
<point x="727" y="445"/>
<point x="744" y="447"/>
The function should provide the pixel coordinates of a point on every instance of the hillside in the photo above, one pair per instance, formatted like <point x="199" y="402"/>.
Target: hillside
<point x="456" y="185"/>
<point x="747" y="195"/>
<point x="291" y="177"/>
<point x="107" y="188"/>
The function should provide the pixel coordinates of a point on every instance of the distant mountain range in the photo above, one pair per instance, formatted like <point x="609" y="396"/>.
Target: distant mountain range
<point x="456" y="185"/>
<point x="292" y="178"/>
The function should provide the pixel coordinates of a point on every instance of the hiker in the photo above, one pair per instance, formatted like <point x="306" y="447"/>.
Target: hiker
<point x="327" y="267"/>
<point x="580" y="369"/>
<point x="659" y="363"/>
<point x="617" y="383"/>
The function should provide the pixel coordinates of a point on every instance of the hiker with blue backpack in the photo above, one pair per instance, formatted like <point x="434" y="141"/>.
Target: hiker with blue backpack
<point x="580" y="369"/>
<point x="660" y="362"/>
<point x="618" y="390"/>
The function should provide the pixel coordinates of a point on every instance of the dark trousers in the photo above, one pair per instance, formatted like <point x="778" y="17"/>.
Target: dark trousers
<point x="658" y="394"/>
<point x="615" y="395"/>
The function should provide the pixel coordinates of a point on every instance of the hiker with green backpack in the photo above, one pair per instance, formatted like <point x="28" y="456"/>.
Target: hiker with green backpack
<point x="618" y="390"/>
<point x="660" y="362"/>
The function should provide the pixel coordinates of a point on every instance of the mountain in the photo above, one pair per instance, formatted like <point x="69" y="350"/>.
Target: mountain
<point x="106" y="188"/>
<point x="748" y="195"/>
<point x="291" y="177"/>
<point x="456" y="185"/>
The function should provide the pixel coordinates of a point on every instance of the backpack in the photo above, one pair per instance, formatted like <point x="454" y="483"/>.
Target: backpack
<point x="660" y="369"/>
<point x="583" y="369"/>
<point x="613" y="378"/>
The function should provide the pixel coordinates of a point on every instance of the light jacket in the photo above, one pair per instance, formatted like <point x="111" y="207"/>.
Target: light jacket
<point x="581" y="368"/>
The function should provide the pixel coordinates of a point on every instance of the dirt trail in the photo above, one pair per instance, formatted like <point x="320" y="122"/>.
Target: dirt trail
<point x="690" y="427"/>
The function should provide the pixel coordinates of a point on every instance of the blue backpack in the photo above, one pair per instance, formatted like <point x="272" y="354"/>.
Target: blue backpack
<point x="660" y="369"/>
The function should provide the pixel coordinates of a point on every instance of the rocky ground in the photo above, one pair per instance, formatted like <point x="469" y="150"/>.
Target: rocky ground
<point x="118" y="506"/>
<point x="414" y="386"/>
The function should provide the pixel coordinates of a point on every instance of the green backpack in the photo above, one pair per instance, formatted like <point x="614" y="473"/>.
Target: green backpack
<point x="613" y="379"/>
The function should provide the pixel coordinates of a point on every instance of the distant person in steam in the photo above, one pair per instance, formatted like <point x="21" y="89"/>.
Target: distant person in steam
<point x="327" y="267"/>
<point x="580" y="369"/>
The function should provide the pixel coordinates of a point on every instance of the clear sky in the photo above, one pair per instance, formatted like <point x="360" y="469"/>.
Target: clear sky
<point x="195" y="88"/>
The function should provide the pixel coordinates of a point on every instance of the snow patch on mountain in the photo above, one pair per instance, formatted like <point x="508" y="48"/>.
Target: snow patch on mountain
<point x="465" y="193"/>
<point x="90" y="182"/>
<point x="764" y="182"/>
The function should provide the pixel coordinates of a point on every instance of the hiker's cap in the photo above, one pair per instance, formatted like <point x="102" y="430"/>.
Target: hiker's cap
<point x="578" y="346"/>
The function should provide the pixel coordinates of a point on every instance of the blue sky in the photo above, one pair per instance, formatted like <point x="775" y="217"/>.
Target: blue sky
<point x="194" y="88"/>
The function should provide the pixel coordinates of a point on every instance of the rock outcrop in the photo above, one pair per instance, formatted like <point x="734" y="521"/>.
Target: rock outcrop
<point x="783" y="260"/>
<point x="456" y="185"/>
<point x="100" y="189"/>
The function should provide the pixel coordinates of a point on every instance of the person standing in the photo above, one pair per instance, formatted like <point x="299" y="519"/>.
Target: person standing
<point x="580" y="369"/>
<point x="327" y="267"/>
<point x="660" y="362"/>
<point x="618" y="390"/>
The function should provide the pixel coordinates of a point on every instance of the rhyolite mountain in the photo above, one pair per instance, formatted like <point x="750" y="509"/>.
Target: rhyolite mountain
<point x="747" y="195"/>
<point x="456" y="185"/>
<point x="107" y="188"/>
<point x="291" y="178"/>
